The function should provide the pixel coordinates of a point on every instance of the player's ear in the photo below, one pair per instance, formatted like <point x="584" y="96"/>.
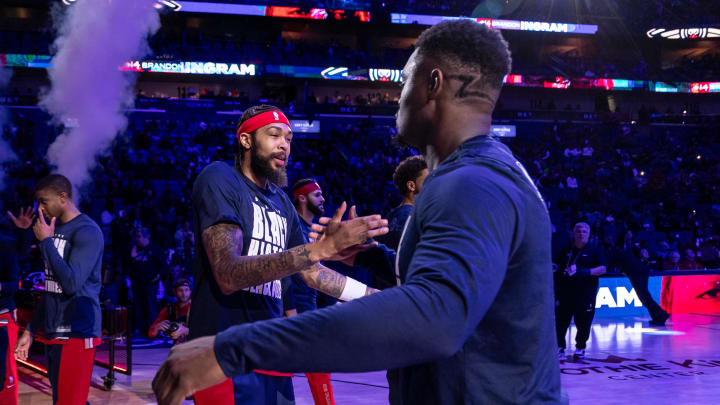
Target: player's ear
<point x="411" y="186"/>
<point x="245" y="140"/>
<point x="436" y="82"/>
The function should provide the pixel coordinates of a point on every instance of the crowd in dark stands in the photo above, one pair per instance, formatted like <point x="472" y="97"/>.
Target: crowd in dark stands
<point x="651" y="190"/>
<point x="638" y="187"/>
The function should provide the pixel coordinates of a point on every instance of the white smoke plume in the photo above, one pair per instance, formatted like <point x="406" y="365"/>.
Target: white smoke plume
<point x="95" y="38"/>
<point x="6" y="152"/>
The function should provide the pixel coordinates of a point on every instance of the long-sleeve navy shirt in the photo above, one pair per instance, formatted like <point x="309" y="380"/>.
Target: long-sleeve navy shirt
<point x="70" y="305"/>
<point x="472" y="322"/>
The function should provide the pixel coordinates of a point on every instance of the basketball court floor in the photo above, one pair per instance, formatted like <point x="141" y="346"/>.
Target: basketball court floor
<point x="627" y="362"/>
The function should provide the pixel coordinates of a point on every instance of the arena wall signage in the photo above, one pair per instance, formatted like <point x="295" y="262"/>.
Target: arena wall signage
<point x="273" y="11"/>
<point x="503" y="131"/>
<point x="305" y="126"/>
<point x="514" y="25"/>
<point x="384" y="75"/>
<point x="198" y="68"/>
<point x="705" y="87"/>
<point x="617" y="297"/>
<point x="371" y="74"/>
<point x="222" y="8"/>
<point x="171" y="4"/>
<point x="260" y="11"/>
<point x="684" y="33"/>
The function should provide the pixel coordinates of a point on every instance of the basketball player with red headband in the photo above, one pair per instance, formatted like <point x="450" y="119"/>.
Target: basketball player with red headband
<point x="299" y="298"/>
<point x="251" y="238"/>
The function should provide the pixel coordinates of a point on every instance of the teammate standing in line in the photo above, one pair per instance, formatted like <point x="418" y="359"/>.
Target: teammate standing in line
<point x="69" y="312"/>
<point x="251" y="238"/>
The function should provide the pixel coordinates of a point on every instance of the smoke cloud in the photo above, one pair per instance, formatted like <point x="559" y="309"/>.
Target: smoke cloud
<point x="88" y="93"/>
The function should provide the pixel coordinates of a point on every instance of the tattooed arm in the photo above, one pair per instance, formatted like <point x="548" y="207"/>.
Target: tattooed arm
<point x="327" y="281"/>
<point x="223" y="243"/>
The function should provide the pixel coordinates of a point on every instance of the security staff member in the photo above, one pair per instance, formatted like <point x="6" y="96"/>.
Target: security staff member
<point x="576" y="285"/>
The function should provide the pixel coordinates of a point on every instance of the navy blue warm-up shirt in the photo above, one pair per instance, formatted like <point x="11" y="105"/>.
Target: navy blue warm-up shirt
<point x="472" y="322"/>
<point x="221" y="194"/>
<point x="70" y="304"/>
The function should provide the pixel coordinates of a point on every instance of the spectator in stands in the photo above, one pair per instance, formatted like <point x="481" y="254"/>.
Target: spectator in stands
<point x="185" y="243"/>
<point x="147" y="266"/>
<point x="172" y="320"/>
<point x="710" y="254"/>
<point x="672" y="262"/>
<point x="689" y="262"/>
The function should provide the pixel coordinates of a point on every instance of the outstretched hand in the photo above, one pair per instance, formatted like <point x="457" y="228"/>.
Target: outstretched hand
<point x="24" y="218"/>
<point x="328" y="227"/>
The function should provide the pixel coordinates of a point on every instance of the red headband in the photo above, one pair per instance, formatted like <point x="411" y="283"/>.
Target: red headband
<point x="306" y="189"/>
<point x="261" y="120"/>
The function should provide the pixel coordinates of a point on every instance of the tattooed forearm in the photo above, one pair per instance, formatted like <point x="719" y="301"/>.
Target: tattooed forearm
<point x="324" y="280"/>
<point x="233" y="271"/>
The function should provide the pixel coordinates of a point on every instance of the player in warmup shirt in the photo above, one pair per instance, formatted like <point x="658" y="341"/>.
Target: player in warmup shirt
<point x="251" y="238"/>
<point x="10" y="251"/>
<point x="408" y="178"/>
<point x="174" y="313"/>
<point x="69" y="312"/>
<point x="309" y="200"/>
<point x="472" y="322"/>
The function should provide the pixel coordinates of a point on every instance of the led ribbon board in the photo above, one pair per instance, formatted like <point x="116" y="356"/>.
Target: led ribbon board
<point x="684" y="33"/>
<point x="705" y="87"/>
<point x="197" y="68"/>
<point x="513" y="25"/>
<point x="384" y="75"/>
<point x="171" y="4"/>
<point x="371" y="74"/>
<point x="273" y="11"/>
<point x="257" y="10"/>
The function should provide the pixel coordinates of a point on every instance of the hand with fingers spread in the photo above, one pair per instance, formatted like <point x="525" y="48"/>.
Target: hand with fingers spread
<point x="341" y="239"/>
<point x="189" y="368"/>
<point x="348" y="255"/>
<point x="24" y="218"/>
<point x="42" y="229"/>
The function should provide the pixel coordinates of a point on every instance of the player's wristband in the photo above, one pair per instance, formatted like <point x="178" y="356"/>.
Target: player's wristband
<point x="353" y="289"/>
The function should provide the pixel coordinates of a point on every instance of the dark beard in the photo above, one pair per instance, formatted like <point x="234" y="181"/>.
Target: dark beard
<point x="315" y="209"/>
<point x="263" y="168"/>
<point x="399" y="142"/>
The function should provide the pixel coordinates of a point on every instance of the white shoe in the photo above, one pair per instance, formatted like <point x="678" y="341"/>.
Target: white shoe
<point x="579" y="354"/>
